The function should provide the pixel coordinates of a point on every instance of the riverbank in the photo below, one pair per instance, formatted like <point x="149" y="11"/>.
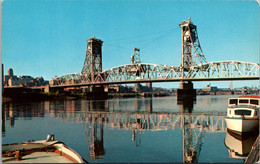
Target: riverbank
<point x="38" y="96"/>
<point x="24" y="94"/>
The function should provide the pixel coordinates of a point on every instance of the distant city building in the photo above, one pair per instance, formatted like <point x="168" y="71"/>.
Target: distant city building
<point x="210" y="89"/>
<point x="9" y="76"/>
<point x="12" y="80"/>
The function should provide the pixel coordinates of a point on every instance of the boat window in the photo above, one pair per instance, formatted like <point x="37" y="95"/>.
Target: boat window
<point x="243" y="101"/>
<point x="243" y="112"/>
<point x="233" y="101"/>
<point x="255" y="102"/>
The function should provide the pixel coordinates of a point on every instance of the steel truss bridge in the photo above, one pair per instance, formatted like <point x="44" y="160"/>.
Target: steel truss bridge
<point x="140" y="72"/>
<point x="194" y="66"/>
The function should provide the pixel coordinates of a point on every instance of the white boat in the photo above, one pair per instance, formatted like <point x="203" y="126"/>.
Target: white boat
<point x="242" y="114"/>
<point x="42" y="151"/>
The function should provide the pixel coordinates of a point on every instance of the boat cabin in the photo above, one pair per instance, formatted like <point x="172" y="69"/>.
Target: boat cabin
<point x="243" y="107"/>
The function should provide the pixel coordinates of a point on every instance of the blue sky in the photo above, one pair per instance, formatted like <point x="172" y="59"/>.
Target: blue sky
<point x="48" y="37"/>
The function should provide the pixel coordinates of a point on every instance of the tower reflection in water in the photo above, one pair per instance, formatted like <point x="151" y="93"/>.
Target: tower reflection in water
<point x="95" y="115"/>
<point x="192" y="138"/>
<point x="94" y="129"/>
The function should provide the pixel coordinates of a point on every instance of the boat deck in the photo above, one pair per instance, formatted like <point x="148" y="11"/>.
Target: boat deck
<point x="39" y="157"/>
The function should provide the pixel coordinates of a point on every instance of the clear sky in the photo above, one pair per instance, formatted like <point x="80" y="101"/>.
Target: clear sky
<point x="48" y="37"/>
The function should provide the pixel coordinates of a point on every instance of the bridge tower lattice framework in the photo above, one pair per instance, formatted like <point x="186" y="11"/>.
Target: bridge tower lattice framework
<point x="93" y="60"/>
<point x="192" y="55"/>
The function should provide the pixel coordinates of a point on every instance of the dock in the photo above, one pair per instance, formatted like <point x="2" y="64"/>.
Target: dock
<point x="253" y="156"/>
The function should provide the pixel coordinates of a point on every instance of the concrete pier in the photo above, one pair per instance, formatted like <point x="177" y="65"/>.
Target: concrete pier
<point x="186" y="90"/>
<point x="96" y="92"/>
<point x="48" y="89"/>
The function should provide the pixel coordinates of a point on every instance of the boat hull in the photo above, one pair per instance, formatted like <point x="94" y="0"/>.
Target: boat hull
<point x="242" y="125"/>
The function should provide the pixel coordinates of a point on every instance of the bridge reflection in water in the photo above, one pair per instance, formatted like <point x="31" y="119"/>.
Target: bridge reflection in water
<point x="98" y="114"/>
<point x="137" y="116"/>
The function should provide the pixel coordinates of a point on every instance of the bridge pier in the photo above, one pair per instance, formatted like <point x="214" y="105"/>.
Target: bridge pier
<point x="49" y="89"/>
<point x="186" y="91"/>
<point x="96" y="92"/>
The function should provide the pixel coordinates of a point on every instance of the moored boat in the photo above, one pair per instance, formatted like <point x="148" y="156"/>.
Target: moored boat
<point x="41" y="151"/>
<point x="242" y="114"/>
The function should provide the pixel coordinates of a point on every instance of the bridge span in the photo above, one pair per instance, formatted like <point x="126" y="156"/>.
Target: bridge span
<point x="145" y="73"/>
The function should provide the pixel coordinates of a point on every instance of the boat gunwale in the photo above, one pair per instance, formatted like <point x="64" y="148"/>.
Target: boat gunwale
<point x="26" y="143"/>
<point x="51" y="144"/>
<point x="73" y="151"/>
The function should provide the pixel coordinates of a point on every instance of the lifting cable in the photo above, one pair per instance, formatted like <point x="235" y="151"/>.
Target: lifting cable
<point x="144" y="45"/>
<point x="160" y="37"/>
<point x="118" y="46"/>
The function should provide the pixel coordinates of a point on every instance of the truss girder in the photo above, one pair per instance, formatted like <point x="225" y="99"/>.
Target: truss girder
<point x="141" y="72"/>
<point x="228" y="69"/>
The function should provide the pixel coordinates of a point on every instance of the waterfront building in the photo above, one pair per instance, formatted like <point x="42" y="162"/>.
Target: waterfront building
<point x="9" y="76"/>
<point x="12" y="80"/>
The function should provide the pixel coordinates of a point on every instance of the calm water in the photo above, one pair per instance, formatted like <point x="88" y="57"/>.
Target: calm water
<point x="131" y="130"/>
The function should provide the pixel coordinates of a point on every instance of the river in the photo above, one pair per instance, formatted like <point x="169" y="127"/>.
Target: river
<point x="130" y="130"/>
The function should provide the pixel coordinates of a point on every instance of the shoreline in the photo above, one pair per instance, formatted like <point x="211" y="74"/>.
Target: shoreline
<point x="36" y="97"/>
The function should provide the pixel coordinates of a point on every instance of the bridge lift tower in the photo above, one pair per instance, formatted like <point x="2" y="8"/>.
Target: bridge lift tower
<point x="93" y="61"/>
<point x="192" y="55"/>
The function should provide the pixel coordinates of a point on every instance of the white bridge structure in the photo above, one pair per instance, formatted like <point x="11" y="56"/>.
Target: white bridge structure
<point x="143" y="73"/>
